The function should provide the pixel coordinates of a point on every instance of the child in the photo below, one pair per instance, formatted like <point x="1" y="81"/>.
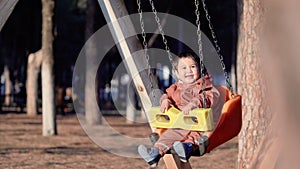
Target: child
<point x="186" y="94"/>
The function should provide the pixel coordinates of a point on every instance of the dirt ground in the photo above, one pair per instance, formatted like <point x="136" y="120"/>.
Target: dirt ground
<point x="23" y="146"/>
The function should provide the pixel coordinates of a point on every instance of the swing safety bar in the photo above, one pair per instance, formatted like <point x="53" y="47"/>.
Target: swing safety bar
<point x="198" y="119"/>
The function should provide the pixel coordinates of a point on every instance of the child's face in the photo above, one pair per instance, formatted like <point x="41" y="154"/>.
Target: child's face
<point x="187" y="70"/>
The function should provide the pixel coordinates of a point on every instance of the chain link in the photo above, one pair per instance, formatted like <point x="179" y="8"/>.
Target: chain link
<point x="199" y="34"/>
<point x="162" y="33"/>
<point x="218" y="49"/>
<point x="146" y="49"/>
<point x="199" y="41"/>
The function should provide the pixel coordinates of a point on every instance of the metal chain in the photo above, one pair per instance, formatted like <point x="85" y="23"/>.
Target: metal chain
<point x="218" y="49"/>
<point x="146" y="48"/>
<point x="162" y="33"/>
<point x="143" y="31"/>
<point x="199" y="34"/>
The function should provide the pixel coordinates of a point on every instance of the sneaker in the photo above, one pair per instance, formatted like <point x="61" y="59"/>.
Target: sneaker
<point x="150" y="155"/>
<point x="183" y="150"/>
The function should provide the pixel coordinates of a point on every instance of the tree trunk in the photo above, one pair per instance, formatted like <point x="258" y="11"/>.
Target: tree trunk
<point x="250" y="82"/>
<point x="280" y="147"/>
<point x="49" y="119"/>
<point x="8" y="85"/>
<point x="33" y="69"/>
<point x="92" y="115"/>
<point x="130" y="106"/>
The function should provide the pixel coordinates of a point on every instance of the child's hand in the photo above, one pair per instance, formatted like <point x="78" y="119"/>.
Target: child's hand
<point x="186" y="109"/>
<point x="165" y="105"/>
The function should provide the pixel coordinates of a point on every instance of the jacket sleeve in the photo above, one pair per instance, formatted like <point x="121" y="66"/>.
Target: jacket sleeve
<point x="168" y="94"/>
<point x="210" y="92"/>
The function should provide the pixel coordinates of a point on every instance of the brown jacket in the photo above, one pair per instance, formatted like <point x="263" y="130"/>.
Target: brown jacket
<point x="180" y="94"/>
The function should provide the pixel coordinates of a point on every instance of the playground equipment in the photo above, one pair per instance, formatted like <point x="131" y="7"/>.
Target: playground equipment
<point x="230" y="120"/>
<point x="198" y="119"/>
<point x="229" y="123"/>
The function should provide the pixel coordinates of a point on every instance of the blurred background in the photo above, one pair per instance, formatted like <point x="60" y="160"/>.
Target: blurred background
<point x="259" y="39"/>
<point x="21" y="36"/>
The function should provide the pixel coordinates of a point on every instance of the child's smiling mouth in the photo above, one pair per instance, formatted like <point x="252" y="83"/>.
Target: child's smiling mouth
<point x="189" y="76"/>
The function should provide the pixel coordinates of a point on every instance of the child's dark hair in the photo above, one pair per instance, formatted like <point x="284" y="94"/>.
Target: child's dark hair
<point x="188" y="54"/>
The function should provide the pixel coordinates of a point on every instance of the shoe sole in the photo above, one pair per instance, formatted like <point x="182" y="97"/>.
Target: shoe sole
<point x="142" y="150"/>
<point x="179" y="149"/>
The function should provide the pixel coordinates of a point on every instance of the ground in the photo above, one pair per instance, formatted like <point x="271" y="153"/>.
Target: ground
<point x="23" y="146"/>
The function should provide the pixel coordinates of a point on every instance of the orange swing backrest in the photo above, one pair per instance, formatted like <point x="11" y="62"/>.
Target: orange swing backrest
<point x="230" y="121"/>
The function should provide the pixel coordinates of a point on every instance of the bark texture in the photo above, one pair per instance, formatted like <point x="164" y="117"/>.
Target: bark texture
<point x="250" y="81"/>
<point x="8" y="86"/>
<point x="49" y="119"/>
<point x="92" y="115"/>
<point x="33" y="69"/>
<point x="280" y="147"/>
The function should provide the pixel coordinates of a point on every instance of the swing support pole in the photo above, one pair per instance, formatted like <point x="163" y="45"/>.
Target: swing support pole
<point x="6" y="6"/>
<point x="112" y="10"/>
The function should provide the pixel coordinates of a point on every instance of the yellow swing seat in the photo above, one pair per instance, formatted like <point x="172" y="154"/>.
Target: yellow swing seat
<point x="227" y="127"/>
<point x="198" y="119"/>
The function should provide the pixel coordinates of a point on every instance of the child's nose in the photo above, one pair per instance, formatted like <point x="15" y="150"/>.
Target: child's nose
<point x="189" y="69"/>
